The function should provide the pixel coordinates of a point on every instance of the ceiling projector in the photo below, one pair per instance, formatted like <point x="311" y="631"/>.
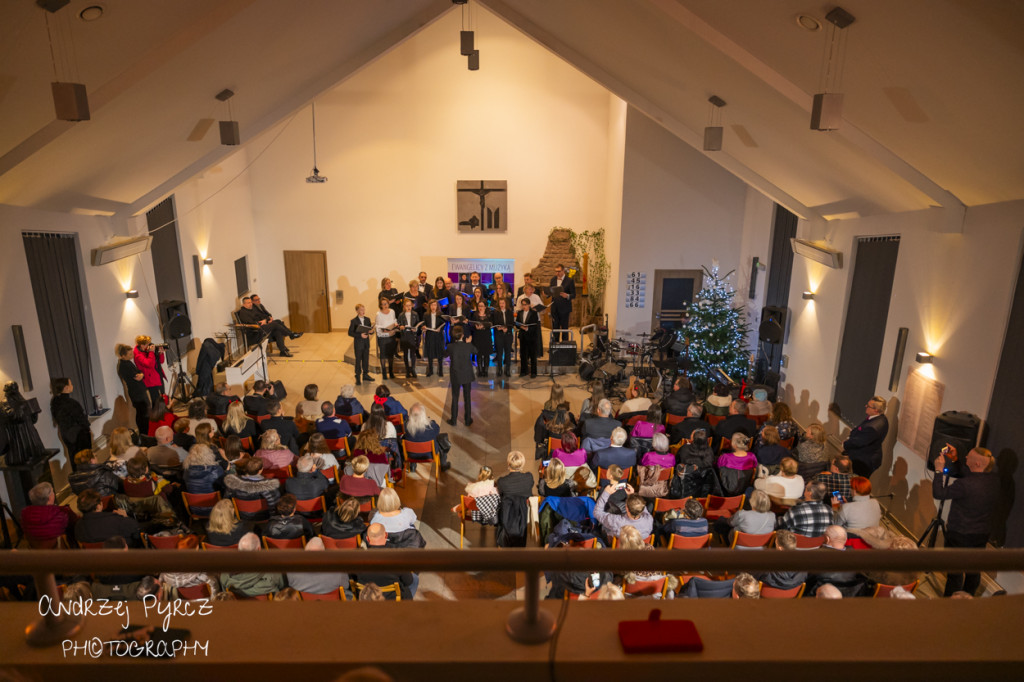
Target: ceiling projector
<point x="316" y="177"/>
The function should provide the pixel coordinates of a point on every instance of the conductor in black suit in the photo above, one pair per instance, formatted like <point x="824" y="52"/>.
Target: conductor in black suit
<point x="561" y="304"/>
<point x="864" y="444"/>
<point x="361" y="343"/>
<point x="528" y="327"/>
<point x="461" y="354"/>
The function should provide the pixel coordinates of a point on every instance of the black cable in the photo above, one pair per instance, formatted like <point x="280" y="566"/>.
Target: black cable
<point x="553" y="648"/>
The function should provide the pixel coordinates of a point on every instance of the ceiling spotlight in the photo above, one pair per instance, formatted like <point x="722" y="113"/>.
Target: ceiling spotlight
<point x="315" y="178"/>
<point x="808" y="295"/>
<point x="131" y="293"/>
<point x="925" y="358"/>
<point x="807" y="22"/>
<point x="91" y="13"/>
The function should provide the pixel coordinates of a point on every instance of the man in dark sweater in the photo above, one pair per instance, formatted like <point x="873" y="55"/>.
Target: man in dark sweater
<point x="284" y="426"/>
<point x="685" y="428"/>
<point x="974" y="497"/>
<point x="97" y="526"/>
<point x="218" y="401"/>
<point x="678" y="401"/>
<point x="462" y="373"/>
<point x="736" y="422"/>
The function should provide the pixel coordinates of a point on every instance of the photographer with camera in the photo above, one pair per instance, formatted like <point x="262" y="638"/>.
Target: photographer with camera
<point x="974" y="497"/>
<point x="149" y="358"/>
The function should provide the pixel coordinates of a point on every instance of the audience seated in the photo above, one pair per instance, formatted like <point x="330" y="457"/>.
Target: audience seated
<point x="837" y="478"/>
<point x="783" y="580"/>
<point x="376" y="538"/>
<point x="355" y="482"/>
<point x="318" y="583"/>
<point x="601" y="424"/>
<point x="97" y="526"/>
<point x="120" y="445"/>
<point x="746" y="586"/>
<point x="249" y="585"/>
<point x="810" y="516"/>
<point x="285" y="524"/>
<point x="238" y="424"/>
<point x="249" y="484"/>
<point x="197" y="415"/>
<point x="515" y="488"/>
<point x="368" y="445"/>
<point x="555" y="483"/>
<point x="769" y="450"/>
<point x="151" y="505"/>
<point x="255" y="402"/>
<point x="165" y="453"/>
<point x="637" y="402"/>
<point x="347" y="404"/>
<point x="759" y="405"/>
<point x="382" y="396"/>
<point x="718" y="403"/>
<point x="570" y="452"/>
<point x="660" y="456"/>
<point x="308" y="483"/>
<point x="274" y="454"/>
<point x="862" y="511"/>
<point x="678" y="401"/>
<point x="629" y="538"/>
<point x="89" y="473"/>
<point x="205" y="436"/>
<point x="287" y="433"/>
<point x="786" y="485"/>
<point x="811" y="450"/>
<point x="683" y="430"/>
<point x="343" y="521"/>
<point x="159" y="415"/>
<point x="224" y="529"/>
<point x="191" y="579"/>
<point x="43" y="519"/>
<point x="555" y="426"/>
<point x="782" y="420"/>
<point x="122" y="587"/>
<point x="217" y="402"/>
<point x="758" y="520"/>
<point x="636" y="514"/>
<point x="329" y="424"/>
<point x="847" y="582"/>
<point x="182" y="438"/>
<point x="309" y="408"/>
<point x="736" y="422"/>
<point x="689" y="522"/>
<point x="391" y="514"/>
<point x="419" y="428"/>
<point x="736" y="468"/>
<point x="317" y="447"/>
<point x="616" y="453"/>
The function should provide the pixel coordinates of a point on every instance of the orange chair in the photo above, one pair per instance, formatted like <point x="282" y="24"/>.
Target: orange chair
<point x="247" y="444"/>
<point x="337" y="445"/>
<point x="553" y="444"/>
<point x="752" y="541"/>
<point x="399" y="421"/>
<point x="279" y="474"/>
<point x="368" y="506"/>
<point x="714" y="419"/>
<point x="105" y="502"/>
<point x="634" y="419"/>
<point x="354" y="420"/>
<point x="590" y="543"/>
<point x="90" y="545"/>
<point x="217" y="548"/>
<point x="393" y="587"/>
<point x="664" y="504"/>
<point x="59" y="542"/>
<point x="199" y="505"/>
<point x="602" y="474"/>
<point x="163" y="541"/>
<point x="347" y="543"/>
<point x="313" y="509"/>
<point x="885" y="591"/>
<point x="144" y="488"/>
<point x="768" y="592"/>
<point x="722" y="507"/>
<point x="759" y="419"/>
<point x="646" y="588"/>
<point x="257" y="506"/>
<point x="788" y="442"/>
<point x="259" y="420"/>
<point x="331" y="474"/>
<point x="649" y="540"/>
<point x="337" y="595"/>
<point x="683" y="542"/>
<point x="673" y="419"/>
<point x="414" y="452"/>
<point x="804" y="542"/>
<point x="466" y="505"/>
<point x="274" y="543"/>
<point x="200" y="591"/>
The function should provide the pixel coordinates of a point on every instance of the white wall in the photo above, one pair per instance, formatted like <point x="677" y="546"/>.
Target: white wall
<point x="395" y="138"/>
<point x="952" y="291"/>
<point x="679" y="212"/>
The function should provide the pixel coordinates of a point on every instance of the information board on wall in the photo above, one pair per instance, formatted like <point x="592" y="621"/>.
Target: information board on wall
<point x="922" y="403"/>
<point x="636" y="289"/>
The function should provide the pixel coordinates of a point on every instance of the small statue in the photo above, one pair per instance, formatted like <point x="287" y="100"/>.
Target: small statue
<point x="19" y="439"/>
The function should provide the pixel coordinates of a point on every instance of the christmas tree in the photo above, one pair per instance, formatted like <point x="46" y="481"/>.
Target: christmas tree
<point x="717" y="331"/>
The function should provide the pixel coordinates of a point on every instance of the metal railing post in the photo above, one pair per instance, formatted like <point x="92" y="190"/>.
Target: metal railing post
<point x="529" y="624"/>
<point x="51" y="629"/>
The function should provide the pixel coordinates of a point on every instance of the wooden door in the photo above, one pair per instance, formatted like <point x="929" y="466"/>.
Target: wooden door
<point x="673" y="293"/>
<point x="305" y="275"/>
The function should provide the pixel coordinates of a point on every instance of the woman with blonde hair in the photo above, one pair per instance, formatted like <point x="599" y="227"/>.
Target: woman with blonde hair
<point x="483" y="485"/>
<point x="121" y="446"/>
<point x="812" y="449"/>
<point x="515" y="489"/>
<point x="274" y="454"/>
<point x="237" y="423"/>
<point x="391" y="514"/>
<point x="224" y="529"/>
<point x="786" y="485"/>
<point x="554" y="483"/>
<point x="556" y="398"/>
<point x="204" y="436"/>
<point x="630" y="538"/>
<point x="202" y="473"/>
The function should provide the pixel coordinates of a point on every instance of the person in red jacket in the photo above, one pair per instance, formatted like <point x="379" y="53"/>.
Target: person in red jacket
<point x="43" y="519"/>
<point x="150" y="361"/>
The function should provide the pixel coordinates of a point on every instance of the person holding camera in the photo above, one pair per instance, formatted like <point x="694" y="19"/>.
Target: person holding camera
<point x="149" y="358"/>
<point x="973" y="500"/>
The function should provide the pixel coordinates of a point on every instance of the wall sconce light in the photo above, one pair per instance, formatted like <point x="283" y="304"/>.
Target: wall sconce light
<point x="808" y="296"/>
<point x="925" y="358"/>
<point x="207" y="261"/>
<point x="131" y="293"/>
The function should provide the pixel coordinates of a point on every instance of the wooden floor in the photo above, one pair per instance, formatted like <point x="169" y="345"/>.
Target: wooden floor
<point x="503" y="415"/>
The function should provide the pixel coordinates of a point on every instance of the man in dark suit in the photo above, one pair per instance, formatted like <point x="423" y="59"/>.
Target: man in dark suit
<point x="331" y="426"/>
<point x="218" y="401"/>
<point x="561" y="304"/>
<point x="285" y="426"/>
<point x="736" y="422"/>
<point x="864" y="444"/>
<point x="361" y="343"/>
<point x="528" y="326"/>
<point x="616" y="453"/>
<point x="426" y="288"/>
<point x="256" y="402"/>
<point x="602" y="424"/>
<point x="263" y="323"/>
<point x="461" y="354"/>
<point x="686" y="427"/>
<point x="97" y="525"/>
<point x="527" y="281"/>
<point x="680" y="398"/>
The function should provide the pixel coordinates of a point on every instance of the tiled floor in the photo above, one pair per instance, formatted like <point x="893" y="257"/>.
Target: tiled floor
<point x="503" y="415"/>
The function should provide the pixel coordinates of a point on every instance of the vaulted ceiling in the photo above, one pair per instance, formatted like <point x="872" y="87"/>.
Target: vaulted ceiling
<point x="932" y="108"/>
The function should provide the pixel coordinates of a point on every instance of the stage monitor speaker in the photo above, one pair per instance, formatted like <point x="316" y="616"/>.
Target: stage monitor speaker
<point x="773" y="324"/>
<point x="562" y="354"/>
<point x="962" y="430"/>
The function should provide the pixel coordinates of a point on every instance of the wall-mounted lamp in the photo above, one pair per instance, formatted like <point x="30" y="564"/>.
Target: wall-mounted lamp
<point x="131" y="293"/>
<point x="925" y="358"/>
<point x="808" y="296"/>
<point x="207" y="261"/>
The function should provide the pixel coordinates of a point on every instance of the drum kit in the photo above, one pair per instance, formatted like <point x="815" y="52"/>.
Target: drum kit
<point x="633" y="355"/>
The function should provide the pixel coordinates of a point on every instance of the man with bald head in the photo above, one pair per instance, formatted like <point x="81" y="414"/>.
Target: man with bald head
<point x="165" y="453"/>
<point x="377" y="538"/>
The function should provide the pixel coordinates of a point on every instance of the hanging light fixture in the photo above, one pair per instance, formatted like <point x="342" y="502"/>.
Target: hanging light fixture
<point x="315" y="178"/>
<point x="467" y="38"/>
<point x="713" y="131"/>
<point x="827" y="110"/>
<point x="70" y="100"/>
<point x="229" y="134"/>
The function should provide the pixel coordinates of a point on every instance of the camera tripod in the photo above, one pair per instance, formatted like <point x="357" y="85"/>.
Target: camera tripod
<point x="181" y="388"/>
<point x="931" y="533"/>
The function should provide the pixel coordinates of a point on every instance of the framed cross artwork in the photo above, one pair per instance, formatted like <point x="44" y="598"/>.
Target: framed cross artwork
<point x="482" y="206"/>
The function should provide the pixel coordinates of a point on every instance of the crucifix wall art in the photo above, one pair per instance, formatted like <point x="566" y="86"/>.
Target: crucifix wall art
<point x="482" y="205"/>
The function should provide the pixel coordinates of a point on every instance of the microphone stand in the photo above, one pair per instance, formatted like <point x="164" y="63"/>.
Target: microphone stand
<point x="937" y="523"/>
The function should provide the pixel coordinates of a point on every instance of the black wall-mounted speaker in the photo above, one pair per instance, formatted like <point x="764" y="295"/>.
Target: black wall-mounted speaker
<point x="773" y="324"/>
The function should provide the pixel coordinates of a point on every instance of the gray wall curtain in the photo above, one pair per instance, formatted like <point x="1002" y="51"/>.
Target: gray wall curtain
<point x="57" y="289"/>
